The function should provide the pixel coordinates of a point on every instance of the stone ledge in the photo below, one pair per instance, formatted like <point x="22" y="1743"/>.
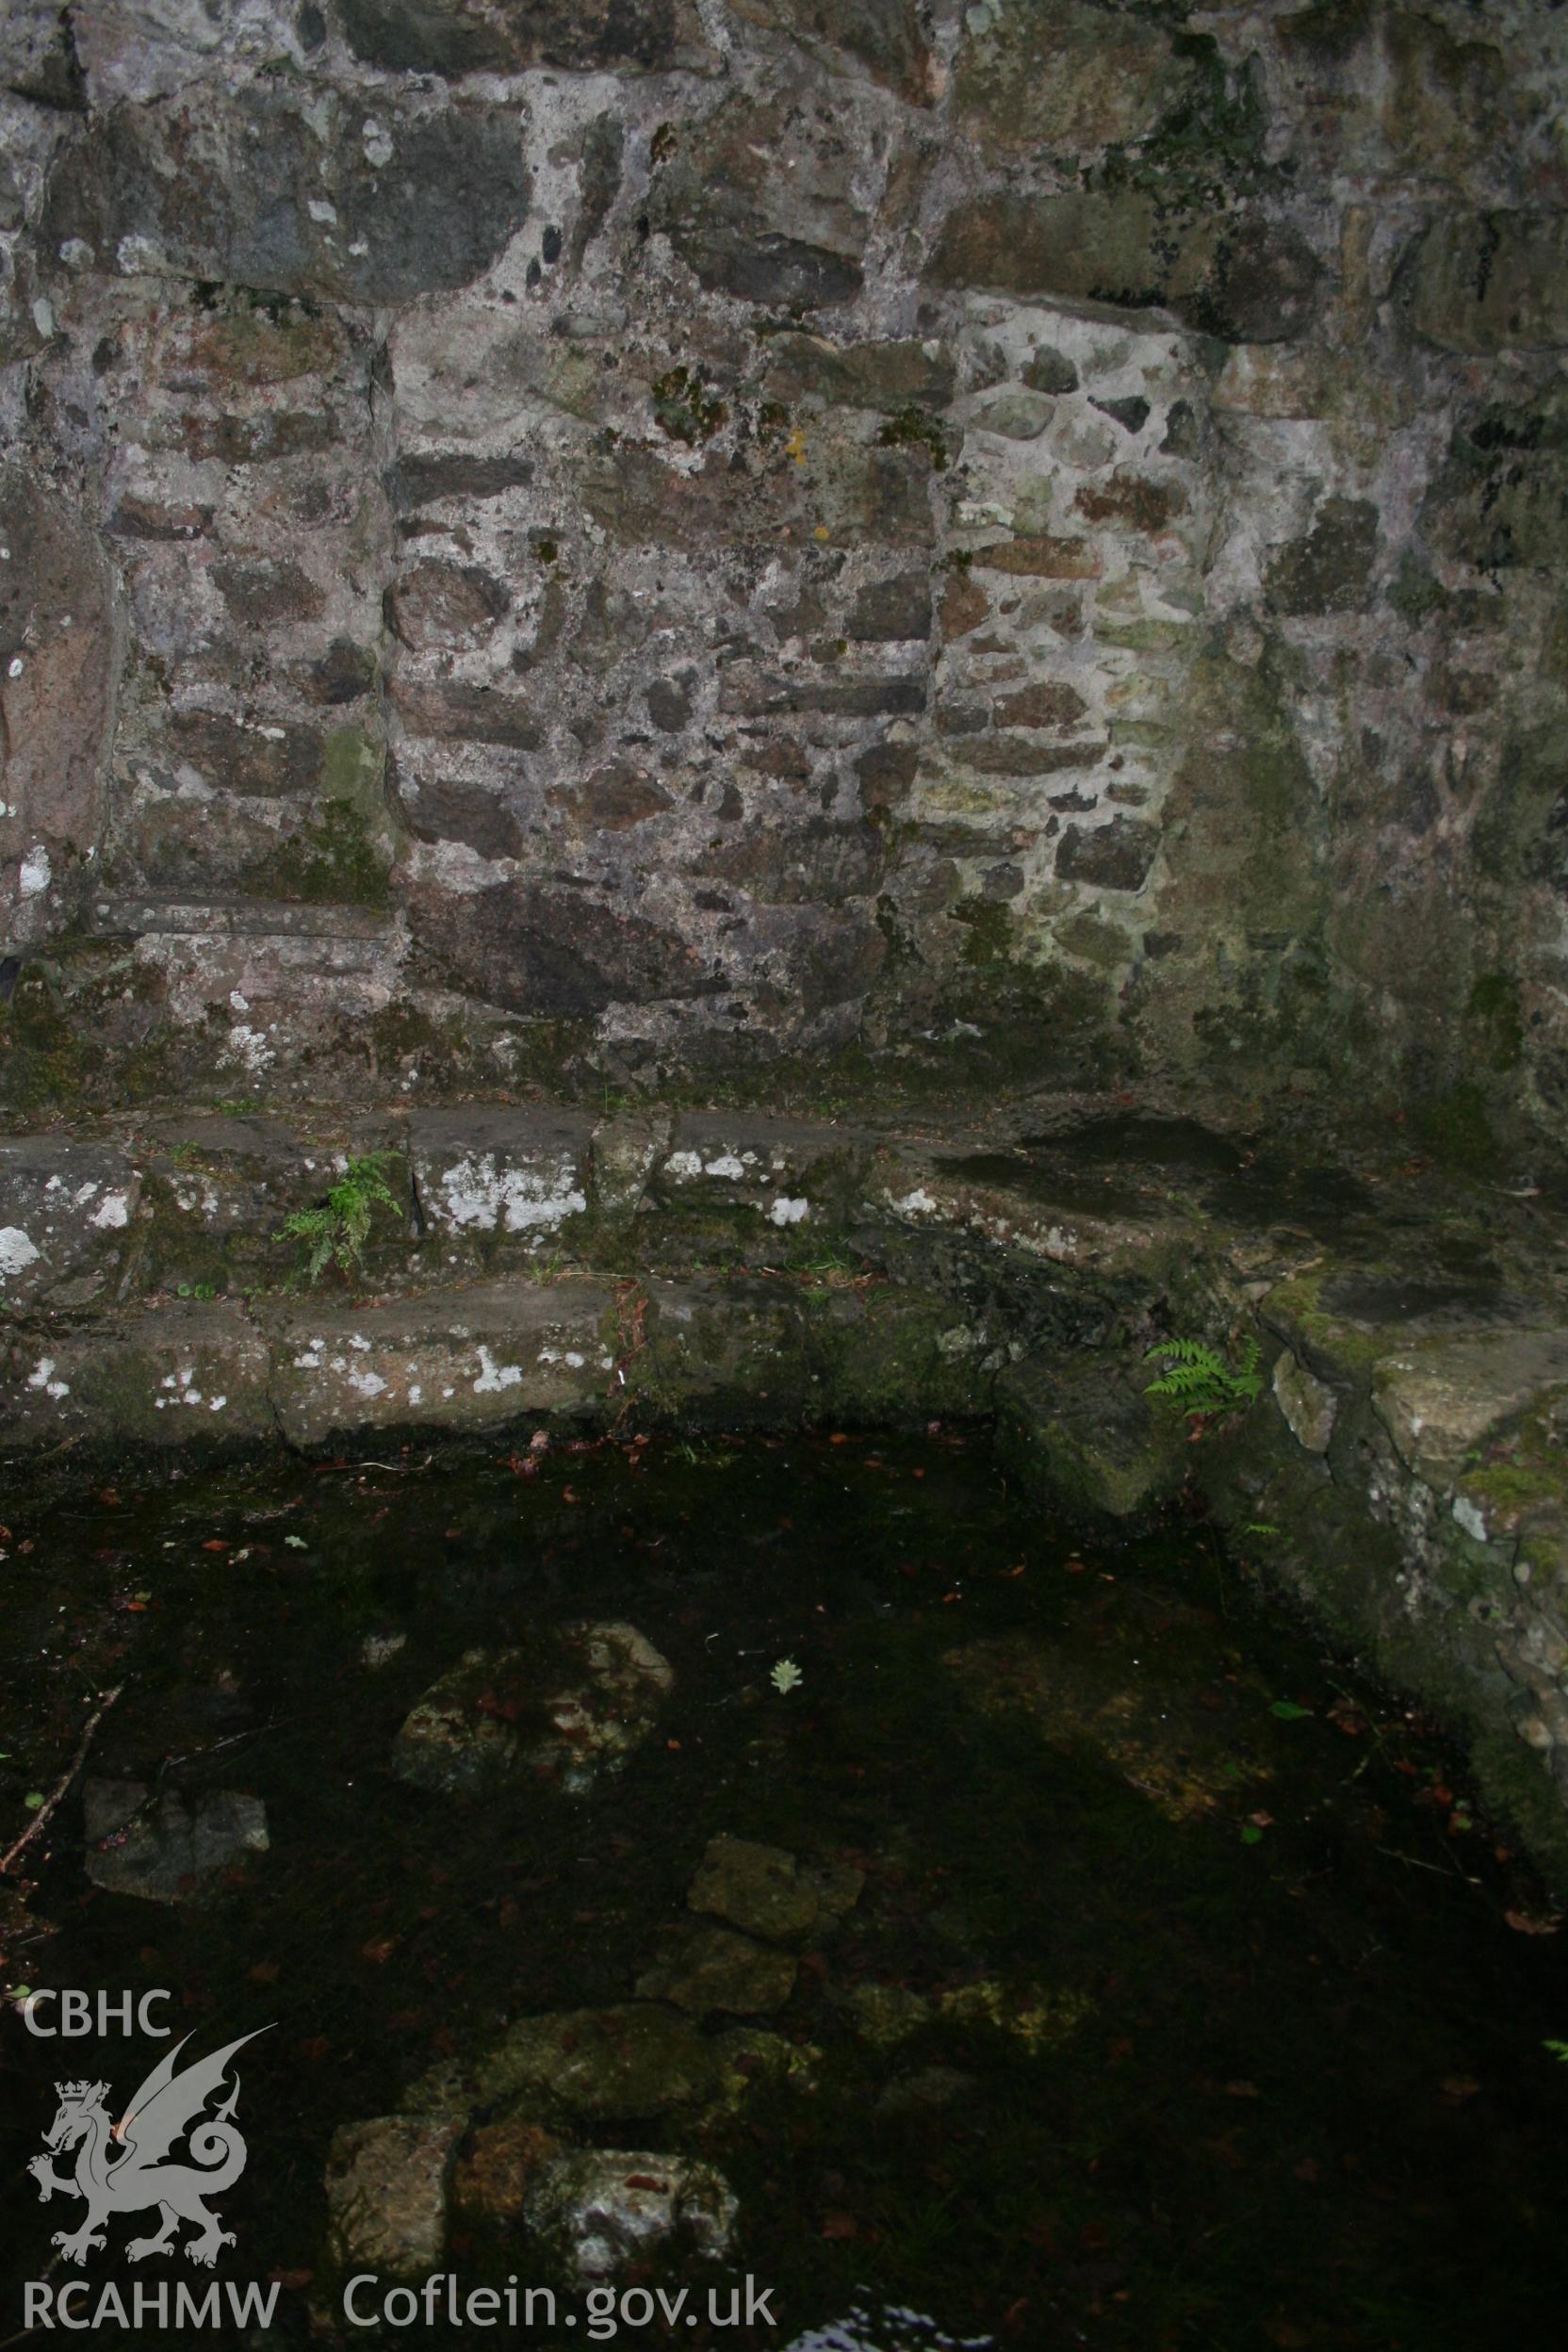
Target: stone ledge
<point x="633" y="1269"/>
<point x="127" y="914"/>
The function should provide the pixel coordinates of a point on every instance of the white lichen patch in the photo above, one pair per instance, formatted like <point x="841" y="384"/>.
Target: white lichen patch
<point x="494" y="1377"/>
<point x="1468" y="1515"/>
<point x="186" y="1391"/>
<point x="786" y="1212"/>
<point x="479" y="1196"/>
<point x="18" y="1250"/>
<point x="249" y="1048"/>
<point x="195" y="1196"/>
<point x="42" y="1376"/>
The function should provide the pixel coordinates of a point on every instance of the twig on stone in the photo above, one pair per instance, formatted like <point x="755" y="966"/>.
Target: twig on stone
<point x="20" y="1844"/>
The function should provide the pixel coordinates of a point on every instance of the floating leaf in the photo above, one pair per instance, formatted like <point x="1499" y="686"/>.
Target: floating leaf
<point x="786" y="1675"/>
<point x="1251" y="1836"/>
<point x="296" y="1543"/>
<point x="33" y="1800"/>
<point x="1288" y="1712"/>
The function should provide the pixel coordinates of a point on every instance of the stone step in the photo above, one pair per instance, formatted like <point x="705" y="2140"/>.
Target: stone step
<point x="138" y="914"/>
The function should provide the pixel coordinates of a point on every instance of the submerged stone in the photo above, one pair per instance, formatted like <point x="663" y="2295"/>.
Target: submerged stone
<point x="634" y="2061"/>
<point x="749" y="2054"/>
<point x="713" y="1967"/>
<point x="386" y="2193"/>
<point x="614" y="2205"/>
<point x="757" y="1888"/>
<point x="158" y="1847"/>
<point x="1156" y="1735"/>
<point x="1036" y="2015"/>
<point x="928" y="2088"/>
<point x="886" y="2014"/>
<point x="576" y="1703"/>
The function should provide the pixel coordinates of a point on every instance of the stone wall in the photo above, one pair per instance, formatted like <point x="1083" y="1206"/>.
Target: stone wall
<point x="549" y="540"/>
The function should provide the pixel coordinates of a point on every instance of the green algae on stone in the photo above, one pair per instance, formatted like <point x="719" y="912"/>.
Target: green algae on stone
<point x="759" y="1890"/>
<point x="684" y="407"/>
<point x="344" y="851"/>
<point x="886" y="2014"/>
<point x="715" y="1968"/>
<point x="1494" y="1007"/>
<point x="635" y="2061"/>
<point x="1457" y="1129"/>
<point x="913" y="427"/>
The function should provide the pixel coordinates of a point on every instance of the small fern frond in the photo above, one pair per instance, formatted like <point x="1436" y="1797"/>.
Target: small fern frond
<point x="1199" y="1379"/>
<point x="338" y="1228"/>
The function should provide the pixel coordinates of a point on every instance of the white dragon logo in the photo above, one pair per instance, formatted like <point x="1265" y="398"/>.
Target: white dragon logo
<point x="120" y="2167"/>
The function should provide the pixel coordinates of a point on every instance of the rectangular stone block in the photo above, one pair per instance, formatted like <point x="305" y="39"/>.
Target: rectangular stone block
<point x="454" y="1358"/>
<point x="65" y="1217"/>
<point x="185" y="1372"/>
<point x="1042" y="558"/>
<point x="763" y="693"/>
<point x="489" y="1171"/>
<point x="790" y="1171"/>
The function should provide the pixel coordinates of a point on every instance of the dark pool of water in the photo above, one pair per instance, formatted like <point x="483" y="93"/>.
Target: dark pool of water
<point x="1222" y="2034"/>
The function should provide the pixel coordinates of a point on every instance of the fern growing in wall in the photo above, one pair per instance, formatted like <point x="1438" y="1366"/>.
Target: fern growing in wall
<point x="1199" y="1379"/>
<point x="338" y="1227"/>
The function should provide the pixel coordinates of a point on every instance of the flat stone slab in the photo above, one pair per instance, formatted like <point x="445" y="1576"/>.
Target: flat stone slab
<point x="453" y="1359"/>
<point x="160" y="1848"/>
<point x="1016" y="1204"/>
<point x="573" y="1704"/>
<point x="485" y="1170"/>
<point x="235" y="1180"/>
<point x="161" y="1379"/>
<point x="715" y="1968"/>
<point x="1438" y="1401"/>
<point x="759" y="1890"/>
<point x="66" y="1219"/>
<point x="139" y="913"/>
<point x="634" y="2061"/>
<point x="790" y="1171"/>
<point x="1417" y="1302"/>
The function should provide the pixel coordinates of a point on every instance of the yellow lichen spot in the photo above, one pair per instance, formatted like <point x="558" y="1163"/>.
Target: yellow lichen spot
<point x="749" y="2056"/>
<point x="1050" y="2017"/>
<point x="821" y="532"/>
<point x="1033" y="2016"/>
<point x="974" y="2005"/>
<point x="796" y="446"/>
